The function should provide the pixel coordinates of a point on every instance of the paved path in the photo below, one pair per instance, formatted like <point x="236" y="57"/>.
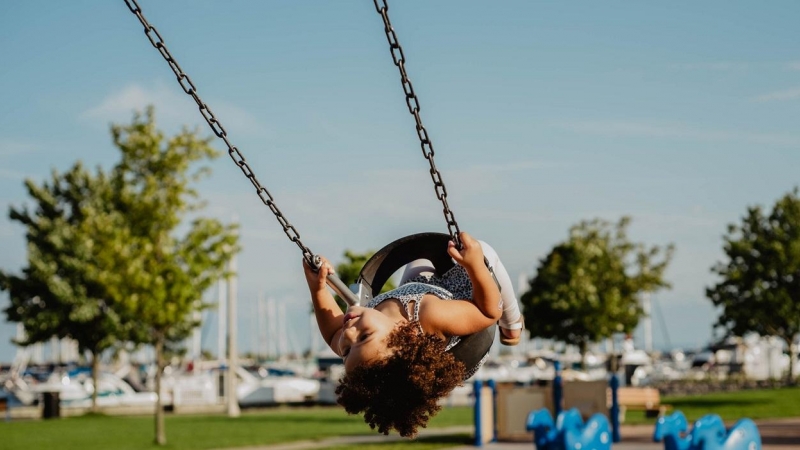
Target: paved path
<point x="355" y="440"/>
<point x="776" y="434"/>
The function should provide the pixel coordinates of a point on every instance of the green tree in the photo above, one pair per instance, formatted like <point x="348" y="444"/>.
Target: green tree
<point x="114" y="257"/>
<point x="760" y="287"/>
<point x="169" y="268"/>
<point x="349" y="270"/>
<point x="62" y="291"/>
<point x="587" y="288"/>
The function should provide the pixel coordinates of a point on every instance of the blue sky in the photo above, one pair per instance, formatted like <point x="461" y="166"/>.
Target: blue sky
<point x="542" y="114"/>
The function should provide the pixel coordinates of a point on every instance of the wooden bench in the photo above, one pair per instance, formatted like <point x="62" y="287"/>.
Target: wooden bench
<point x="639" y="399"/>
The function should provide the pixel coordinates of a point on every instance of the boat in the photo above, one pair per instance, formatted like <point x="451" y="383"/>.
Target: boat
<point x="75" y="389"/>
<point x="262" y="387"/>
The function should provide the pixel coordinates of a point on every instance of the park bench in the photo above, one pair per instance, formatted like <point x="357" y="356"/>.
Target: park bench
<point x="639" y="399"/>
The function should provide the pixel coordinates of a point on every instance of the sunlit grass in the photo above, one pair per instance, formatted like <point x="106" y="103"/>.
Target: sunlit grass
<point x="731" y="406"/>
<point x="203" y="432"/>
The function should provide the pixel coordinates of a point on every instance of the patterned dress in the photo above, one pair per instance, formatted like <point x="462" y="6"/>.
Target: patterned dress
<point x="454" y="284"/>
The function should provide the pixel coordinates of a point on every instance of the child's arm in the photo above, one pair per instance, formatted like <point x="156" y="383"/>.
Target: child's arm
<point x="485" y="293"/>
<point x="456" y="318"/>
<point x="328" y="314"/>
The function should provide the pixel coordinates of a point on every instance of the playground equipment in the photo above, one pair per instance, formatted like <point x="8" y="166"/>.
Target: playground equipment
<point x="708" y="433"/>
<point x="484" y="410"/>
<point x="544" y="430"/>
<point x="672" y="430"/>
<point x="588" y="397"/>
<point x="569" y="432"/>
<point x="595" y="435"/>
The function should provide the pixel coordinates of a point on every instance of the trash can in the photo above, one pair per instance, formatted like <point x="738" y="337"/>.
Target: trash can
<point x="52" y="406"/>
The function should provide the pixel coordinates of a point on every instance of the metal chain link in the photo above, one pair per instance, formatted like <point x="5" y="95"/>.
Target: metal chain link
<point x="413" y="107"/>
<point x="237" y="157"/>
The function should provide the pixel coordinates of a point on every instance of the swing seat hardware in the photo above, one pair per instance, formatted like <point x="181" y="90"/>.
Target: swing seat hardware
<point x="336" y="283"/>
<point x="431" y="246"/>
<point x="491" y="271"/>
<point x="363" y="295"/>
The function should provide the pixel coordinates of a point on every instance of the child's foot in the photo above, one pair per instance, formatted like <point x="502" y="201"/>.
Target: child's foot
<point x="511" y="334"/>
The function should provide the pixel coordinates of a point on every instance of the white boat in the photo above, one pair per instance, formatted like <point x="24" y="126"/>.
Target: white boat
<point x="256" y="389"/>
<point x="75" y="390"/>
<point x="112" y="391"/>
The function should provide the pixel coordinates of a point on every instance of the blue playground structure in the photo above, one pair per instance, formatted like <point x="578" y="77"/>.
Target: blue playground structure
<point x="672" y="430"/>
<point x="545" y="433"/>
<point x="569" y="432"/>
<point x="708" y="433"/>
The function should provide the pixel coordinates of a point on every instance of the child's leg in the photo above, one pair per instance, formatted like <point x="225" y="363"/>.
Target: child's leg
<point x="510" y="320"/>
<point x="416" y="268"/>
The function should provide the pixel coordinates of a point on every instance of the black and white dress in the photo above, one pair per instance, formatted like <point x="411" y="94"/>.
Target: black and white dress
<point x="454" y="284"/>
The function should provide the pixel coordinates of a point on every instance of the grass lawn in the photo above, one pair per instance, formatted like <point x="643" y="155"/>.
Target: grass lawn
<point x="206" y="432"/>
<point x="731" y="406"/>
<point x="278" y="425"/>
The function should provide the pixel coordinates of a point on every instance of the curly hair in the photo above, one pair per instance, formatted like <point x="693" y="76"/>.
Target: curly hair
<point x="403" y="390"/>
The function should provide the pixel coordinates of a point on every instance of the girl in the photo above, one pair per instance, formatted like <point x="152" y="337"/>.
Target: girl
<point x="395" y="348"/>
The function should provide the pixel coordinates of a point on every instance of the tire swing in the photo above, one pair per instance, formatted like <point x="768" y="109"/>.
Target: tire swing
<point x="432" y="246"/>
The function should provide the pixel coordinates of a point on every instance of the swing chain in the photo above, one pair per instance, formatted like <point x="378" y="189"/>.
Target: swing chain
<point x="413" y="107"/>
<point x="237" y="156"/>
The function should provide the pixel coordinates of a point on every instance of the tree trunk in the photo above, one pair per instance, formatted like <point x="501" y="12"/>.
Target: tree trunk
<point x="614" y="360"/>
<point x="95" y="379"/>
<point x="161" y="433"/>
<point x="790" y="380"/>
<point x="583" y="349"/>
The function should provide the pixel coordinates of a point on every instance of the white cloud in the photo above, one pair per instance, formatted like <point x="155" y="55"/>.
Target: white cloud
<point x="649" y="221"/>
<point x="668" y="221"/>
<point x="6" y="174"/>
<point x="788" y="94"/>
<point x="173" y="108"/>
<point x="12" y="147"/>
<point x="624" y="128"/>
<point x="794" y="65"/>
<point x="516" y="166"/>
<point x="334" y="214"/>
<point x="710" y="66"/>
<point x="135" y="97"/>
<point x="517" y="216"/>
<point x="6" y="230"/>
<point x="332" y="209"/>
